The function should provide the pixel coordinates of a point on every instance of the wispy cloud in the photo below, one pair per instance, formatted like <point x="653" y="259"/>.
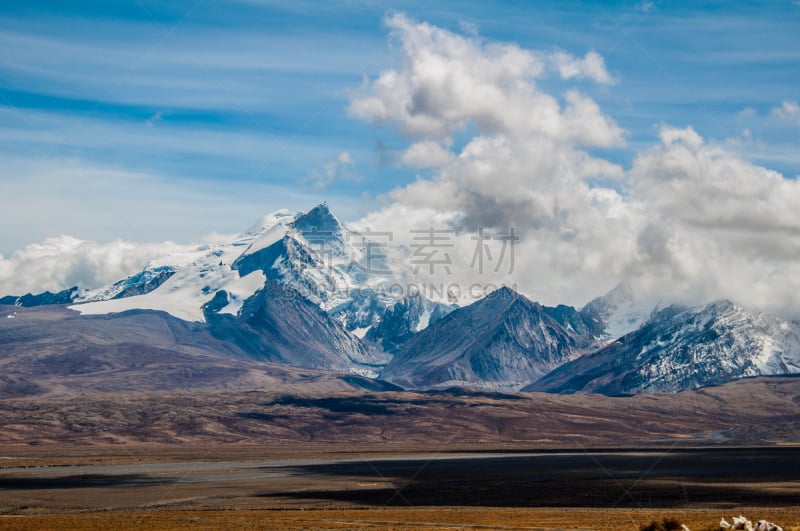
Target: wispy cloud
<point x="341" y="169"/>
<point x="788" y="110"/>
<point x="645" y="6"/>
<point x="46" y="132"/>
<point x="155" y="118"/>
<point x="138" y="65"/>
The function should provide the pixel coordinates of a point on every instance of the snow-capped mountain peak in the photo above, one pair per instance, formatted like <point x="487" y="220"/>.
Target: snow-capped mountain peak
<point x="312" y="254"/>
<point x="321" y="221"/>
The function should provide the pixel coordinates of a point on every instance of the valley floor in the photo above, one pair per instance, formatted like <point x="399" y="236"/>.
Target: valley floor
<point x="322" y="486"/>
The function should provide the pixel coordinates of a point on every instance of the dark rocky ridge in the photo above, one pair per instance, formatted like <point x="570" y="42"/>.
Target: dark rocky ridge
<point x="41" y="299"/>
<point x="501" y="341"/>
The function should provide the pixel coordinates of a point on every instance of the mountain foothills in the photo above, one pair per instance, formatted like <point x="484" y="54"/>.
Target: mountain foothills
<point x="299" y="301"/>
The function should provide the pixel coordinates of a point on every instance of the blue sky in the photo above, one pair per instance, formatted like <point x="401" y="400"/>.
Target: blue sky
<point x="168" y="120"/>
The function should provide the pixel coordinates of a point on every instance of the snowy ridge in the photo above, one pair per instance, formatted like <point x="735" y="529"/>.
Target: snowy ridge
<point x="718" y="341"/>
<point x="682" y="348"/>
<point x="268" y="230"/>
<point x="185" y="293"/>
<point x="404" y="318"/>
<point x="194" y="279"/>
<point x="145" y="281"/>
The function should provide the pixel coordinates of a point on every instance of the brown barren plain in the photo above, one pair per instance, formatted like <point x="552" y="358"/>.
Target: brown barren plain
<point x="445" y="460"/>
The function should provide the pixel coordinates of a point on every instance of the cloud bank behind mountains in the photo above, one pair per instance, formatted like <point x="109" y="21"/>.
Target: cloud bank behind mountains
<point x="689" y="220"/>
<point x="63" y="261"/>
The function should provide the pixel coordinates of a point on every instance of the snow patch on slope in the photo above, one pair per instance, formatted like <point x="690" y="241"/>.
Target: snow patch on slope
<point x="184" y="295"/>
<point x="199" y="275"/>
<point x="270" y="229"/>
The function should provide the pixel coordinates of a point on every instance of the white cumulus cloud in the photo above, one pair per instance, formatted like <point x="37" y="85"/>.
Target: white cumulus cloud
<point x="591" y="66"/>
<point x="788" y="110"/>
<point x="526" y="167"/>
<point x="448" y="81"/>
<point x="426" y="154"/>
<point x="691" y="220"/>
<point x="717" y="225"/>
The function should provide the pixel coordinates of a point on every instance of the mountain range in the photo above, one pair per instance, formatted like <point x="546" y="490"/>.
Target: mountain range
<point x="301" y="291"/>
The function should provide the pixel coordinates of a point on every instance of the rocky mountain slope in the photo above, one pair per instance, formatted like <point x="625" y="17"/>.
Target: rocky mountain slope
<point x="30" y="300"/>
<point x="404" y="318"/>
<point x="503" y="341"/>
<point x="280" y="326"/>
<point x="683" y="348"/>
